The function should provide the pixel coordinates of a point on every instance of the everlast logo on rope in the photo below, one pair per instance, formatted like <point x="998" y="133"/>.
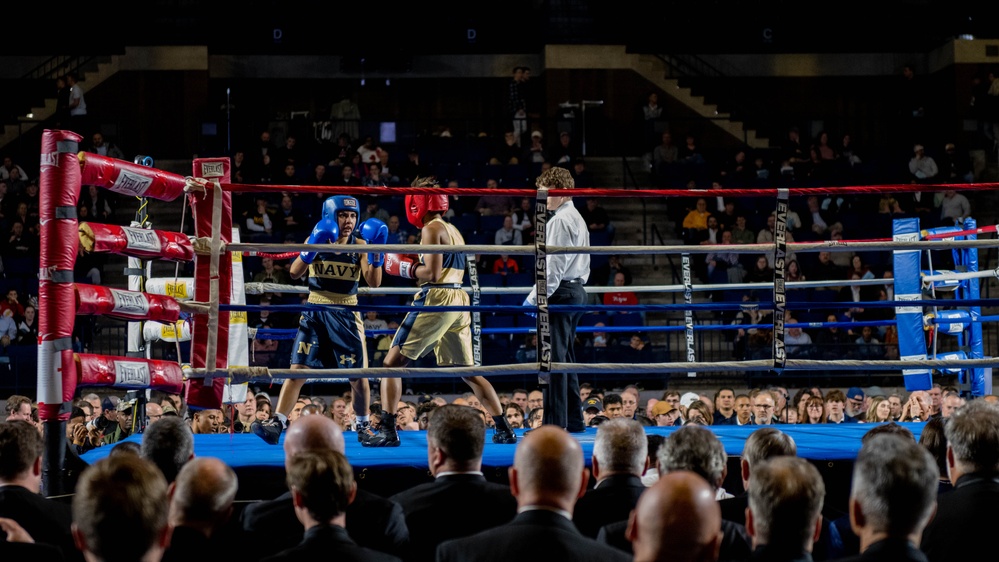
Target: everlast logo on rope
<point x="780" y="302"/>
<point x="130" y="303"/>
<point x="141" y="239"/>
<point x="131" y="184"/>
<point x="131" y="373"/>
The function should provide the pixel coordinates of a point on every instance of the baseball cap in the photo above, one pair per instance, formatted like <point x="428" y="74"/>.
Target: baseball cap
<point x="687" y="399"/>
<point x="593" y="403"/>
<point x="661" y="407"/>
<point x="536" y="134"/>
<point x="109" y="404"/>
<point x="855" y="393"/>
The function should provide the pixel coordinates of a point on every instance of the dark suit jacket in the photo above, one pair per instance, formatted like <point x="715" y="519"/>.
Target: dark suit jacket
<point x="889" y="550"/>
<point x="330" y="542"/>
<point x="965" y="519"/>
<point x="438" y="511"/>
<point x="541" y="535"/>
<point x="187" y="544"/>
<point x="612" y="499"/>
<point x="47" y="521"/>
<point x="372" y="522"/>
<point x="31" y="552"/>
<point x="736" y="543"/>
<point x="734" y="508"/>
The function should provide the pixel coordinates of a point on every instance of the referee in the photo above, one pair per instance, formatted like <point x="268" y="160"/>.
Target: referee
<point x="566" y="276"/>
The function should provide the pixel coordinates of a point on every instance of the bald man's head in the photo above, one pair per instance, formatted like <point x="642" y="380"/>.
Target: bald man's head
<point x="312" y="433"/>
<point x="549" y="468"/>
<point x="677" y="518"/>
<point x="203" y="495"/>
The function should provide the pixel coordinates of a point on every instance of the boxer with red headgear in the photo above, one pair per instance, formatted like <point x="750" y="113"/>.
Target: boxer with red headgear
<point x="417" y="207"/>
<point x="447" y="334"/>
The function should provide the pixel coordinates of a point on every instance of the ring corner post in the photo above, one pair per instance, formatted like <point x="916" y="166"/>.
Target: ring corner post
<point x="59" y="187"/>
<point x="909" y="319"/>
<point x="212" y="215"/>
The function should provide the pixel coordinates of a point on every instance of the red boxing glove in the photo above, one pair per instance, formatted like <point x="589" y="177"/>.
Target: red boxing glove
<point x="402" y="265"/>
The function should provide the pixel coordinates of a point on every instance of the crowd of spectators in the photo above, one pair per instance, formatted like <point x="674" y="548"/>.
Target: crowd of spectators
<point x="175" y="504"/>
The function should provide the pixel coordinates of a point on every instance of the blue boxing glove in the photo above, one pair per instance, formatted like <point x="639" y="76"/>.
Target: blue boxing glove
<point x="326" y="231"/>
<point x="374" y="231"/>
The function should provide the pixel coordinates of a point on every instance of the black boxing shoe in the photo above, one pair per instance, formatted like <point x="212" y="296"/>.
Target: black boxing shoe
<point x="269" y="430"/>
<point x="387" y="435"/>
<point x="364" y="432"/>
<point x="503" y="434"/>
<point x="504" y="437"/>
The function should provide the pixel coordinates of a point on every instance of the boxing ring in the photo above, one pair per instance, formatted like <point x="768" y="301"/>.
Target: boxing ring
<point x="211" y="312"/>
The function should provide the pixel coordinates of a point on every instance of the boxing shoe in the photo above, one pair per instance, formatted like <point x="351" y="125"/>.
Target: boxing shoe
<point x="364" y="431"/>
<point x="503" y="434"/>
<point x="504" y="437"/>
<point x="269" y="430"/>
<point x="387" y="435"/>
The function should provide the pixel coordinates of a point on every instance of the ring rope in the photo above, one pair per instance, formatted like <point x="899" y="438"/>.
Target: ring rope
<point x="825" y="246"/>
<point x="713" y="306"/>
<point x="252" y="374"/>
<point x="612" y="192"/>
<point x="259" y="288"/>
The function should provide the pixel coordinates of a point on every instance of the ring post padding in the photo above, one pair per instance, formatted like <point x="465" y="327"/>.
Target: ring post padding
<point x="909" y="319"/>
<point x="780" y="279"/>
<point x="199" y="393"/>
<point x="978" y="381"/>
<point x="541" y="283"/>
<point x="473" y="280"/>
<point x="688" y="313"/>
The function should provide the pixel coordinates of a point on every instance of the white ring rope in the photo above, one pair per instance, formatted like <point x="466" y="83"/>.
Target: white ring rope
<point x="247" y="374"/>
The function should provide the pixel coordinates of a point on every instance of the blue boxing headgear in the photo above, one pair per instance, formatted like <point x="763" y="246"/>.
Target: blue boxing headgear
<point x="337" y="203"/>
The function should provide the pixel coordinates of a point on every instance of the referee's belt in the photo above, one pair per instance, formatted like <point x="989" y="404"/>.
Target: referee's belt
<point x="576" y="281"/>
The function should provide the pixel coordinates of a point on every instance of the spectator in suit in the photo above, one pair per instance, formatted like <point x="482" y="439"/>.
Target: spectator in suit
<point x="168" y="444"/>
<point x="322" y="486"/>
<point x="893" y="497"/>
<point x="784" y="519"/>
<point x="372" y="521"/>
<point x="966" y="516"/>
<point x="46" y="521"/>
<point x="120" y="510"/>
<point x="620" y="457"/>
<point x="200" y="506"/>
<point x="434" y="511"/>
<point x="677" y="519"/>
<point x="547" y="477"/>
<point x="762" y="444"/>
<point x="692" y="448"/>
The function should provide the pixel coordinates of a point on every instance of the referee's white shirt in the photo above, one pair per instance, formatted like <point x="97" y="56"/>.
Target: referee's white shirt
<point x="565" y="228"/>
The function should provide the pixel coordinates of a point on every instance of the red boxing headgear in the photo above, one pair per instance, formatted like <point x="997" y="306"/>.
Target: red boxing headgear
<point x="417" y="207"/>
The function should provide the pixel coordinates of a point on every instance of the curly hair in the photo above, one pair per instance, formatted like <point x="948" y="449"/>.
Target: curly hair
<point x="428" y="181"/>
<point x="556" y="177"/>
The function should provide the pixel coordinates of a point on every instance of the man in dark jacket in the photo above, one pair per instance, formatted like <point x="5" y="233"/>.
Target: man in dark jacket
<point x="435" y="511"/>
<point x="372" y="521"/>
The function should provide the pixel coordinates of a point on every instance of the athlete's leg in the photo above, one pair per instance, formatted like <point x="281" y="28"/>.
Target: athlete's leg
<point x="291" y="389"/>
<point x="486" y="394"/>
<point x="392" y="387"/>
<point x="361" y="396"/>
